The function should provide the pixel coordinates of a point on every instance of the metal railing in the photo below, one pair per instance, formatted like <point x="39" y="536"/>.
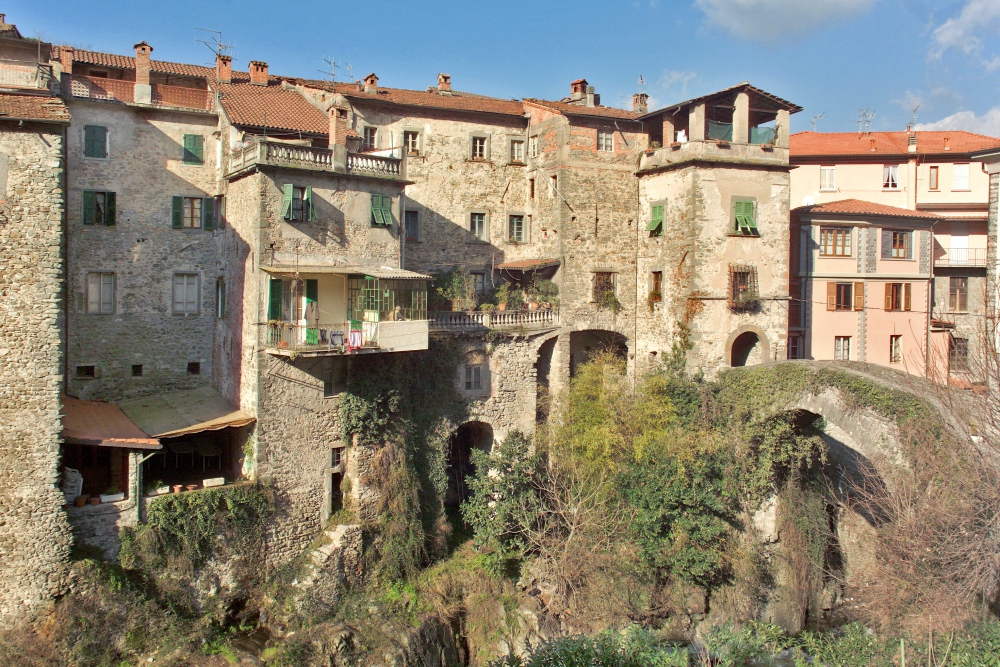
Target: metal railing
<point x="300" y="338"/>
<point x="21" y="75"/>
<point x="962" y="257"/>
<point x="513" y="319"/>
<point x="374" y="164"/>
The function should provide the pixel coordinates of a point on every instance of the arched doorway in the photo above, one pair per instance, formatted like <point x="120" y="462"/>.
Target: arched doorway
<point x="543" y="387"/>
<point x="468" y="436"/>
<point x="747" y="350"/>
<point x="584" y="344"/>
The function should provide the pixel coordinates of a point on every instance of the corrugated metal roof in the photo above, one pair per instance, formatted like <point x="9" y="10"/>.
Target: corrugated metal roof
<point x="386" y="272"/>
<point x="184" y="412"/>
<point x="101" y="424"/>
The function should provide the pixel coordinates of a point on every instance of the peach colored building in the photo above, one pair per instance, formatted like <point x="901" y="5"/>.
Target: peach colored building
<point x="861" y="276"/>
<point x="932" y="172"/>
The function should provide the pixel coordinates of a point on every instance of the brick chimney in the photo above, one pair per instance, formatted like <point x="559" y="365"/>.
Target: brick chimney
<point x="142" y="63"/>
<point x="66" y="59"/>
<point x="258" y="72"/>
<point x="371" y="83"/>
<point x="593" y="99"/>
<point x="640" y="102"/>
<point x="338" y="137"/>
<point x="224" y="68"/>
<point x="444" y="82"/>
<point x="578" y="89"/>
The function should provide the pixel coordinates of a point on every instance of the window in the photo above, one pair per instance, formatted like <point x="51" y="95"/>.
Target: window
<point x="99" y="208"/>
<point x="186" y="294"/>
<point x="827" y="178"/>
<point x="95" y="141"/>
<point x="958" y="354"/>
<point x="479" y="282"/>
<point x="88" y="371"/>
<point x="517" y="152"/>
<point x="370" y="137"/>
<point x="100" y="293"/>
<point x="744" y="217"/>
<point x="533" y="146"/>
<point x="473" y="377"/>
<point x="657" y="284"/>
<point x="553" y="186"/>
<point x="137" y="370"/>
<point x="958" y="295"/>
<point x="897" y="296"/>
<point x="605" y="141"/>
<point x="411" y="142"/>
<point x="895" y="349"/>
<point x="960" y="177"/>
<point x="194" y="368"/>
<point x="381" y="211"/>
<point x="604" y="282"/>
<point x="412" y="220"/>
<point x="655" y="226"/>
<point x="835" y="242"/>
<point x="531" y="188"/>
<point x="795" y="347"/>
<point x="220" y="298"/>
<point x="478" y="148"/>
<point x="478" y="227"/>
<point x="842" y="348"/>
<point x="845" y="296"/>
<point x="194" y="149"/>
<point x="890" y="176"/>
<point x="297" y="203"/>
<point x="897" y="244"/>
<point x="195" y="212"/>
<point x="933" y="181"/>
<point x="743" y="292"/>
<point x="515" y="229"/>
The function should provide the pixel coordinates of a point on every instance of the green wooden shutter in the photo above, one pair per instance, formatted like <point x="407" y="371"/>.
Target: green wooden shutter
<point x="95" y="141"/>
<point x="750" y="212"/>
<point x="222" y="212"/>
<point x="88" y="207"/>
<point x="286" y="201"/>
<point x="377" y="210"/>
<point x="208" y="213"/>
<point x="177" y="214"/>
<point x="109" y="209"/>
<point x="274" y="308"/>
<point x="198" y="148"/>
<point x="309" y="203"/>
<point x="387" y="210"/>
<point x="655" y="220"/>
<point x="312" y="290"/>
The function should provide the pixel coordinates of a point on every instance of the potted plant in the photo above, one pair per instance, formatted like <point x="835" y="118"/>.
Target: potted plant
<point x="178" y="488"/>
<point x="548" y="293"/>
<point x="487" y="307"/>
<point x="95" y="500"/>
<point x="655" y="297"/>
<point x="112" y="495"/>
<point x="458" y="287"/>
<point x="80" y="501"/>
<point x="503" y="296"/>
<point x="607" y="300"/>
<point x="156" y="488"/>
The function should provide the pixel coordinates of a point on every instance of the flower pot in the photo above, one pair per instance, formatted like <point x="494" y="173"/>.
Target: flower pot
<point x="532" y="305"/>
<point x="95" y="501"/>
<point x="192" y="487"/>
<point x="80" y="501"/>
<point x="282" y="344"/>
<point x="112" y="497"/>
<point x="501" y="306"/>
<point x="161" y="490"/>
<point x="178" y="488"/>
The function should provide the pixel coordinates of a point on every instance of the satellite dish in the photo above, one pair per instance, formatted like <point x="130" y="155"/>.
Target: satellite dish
<point x="808" y="200"/>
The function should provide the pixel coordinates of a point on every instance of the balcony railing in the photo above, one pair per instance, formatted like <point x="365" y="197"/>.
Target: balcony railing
<point x="400" y="336"/>
<point x="504" y="320"/>
<point x="117" y="90"/>
<point x="26" y="75"/>
<point x="181" y="97"/>
<point x="962" y="257"/>
<point x="278" y="154"/>
<point x="388" y="167"/>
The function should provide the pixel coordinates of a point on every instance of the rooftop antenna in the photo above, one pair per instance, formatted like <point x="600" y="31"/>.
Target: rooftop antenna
<point x="913" y="122"/>
<point x="642" y="82"/>
<point x="865" y="120"/>
<point x="332" y="72"/>
<point x="812" y="121"/>
<point x="215" y="43"/>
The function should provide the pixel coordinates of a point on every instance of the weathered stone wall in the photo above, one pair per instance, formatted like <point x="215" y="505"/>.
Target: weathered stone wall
<point x="145" y="169"/>
<point x="34" y="534"/>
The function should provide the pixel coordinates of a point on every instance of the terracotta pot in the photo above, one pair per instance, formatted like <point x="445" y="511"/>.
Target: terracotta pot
<point x="95" y="500"/>
<point x="532" y="305"/>
<point x="501" y="306"/>
<point x="192" y="487"/>
<point x="178" y="488"/>
<point x="80" y="501"/>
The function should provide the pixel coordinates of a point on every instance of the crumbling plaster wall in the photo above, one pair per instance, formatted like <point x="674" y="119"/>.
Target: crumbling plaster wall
<point x="34" y="534"/>
<point x="145" y="169"/>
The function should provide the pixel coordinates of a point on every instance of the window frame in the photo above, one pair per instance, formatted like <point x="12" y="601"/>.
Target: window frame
<point x="958" y="354"/>
<point x="189" y="155"/>
<point x="197" y="295"/>
<point x="747" y="227"/>
<point x="898" y="297"/>
<point x="823" y="171"/>
<point x="100" y="300"/>
<point x="890" y="177"/>
<point x="369" y="138"/>
<point x="473" y="377"/>
<point x="532" y="146"/>
<point x="967" y="167"/>
<point x="605" y="141"/>
<point x="597" y="277"/>
<point x="484" y="235"/>
<point x="220" y="298"/>
<point x="381" y="212"/>
<point x="523" y="221"/>
<point x="210" y="212"/>
<point x="934" y="178"/>
<point x="415" y="215"/>
<point x="895" y="349"/>
<point x="841" y="348"/>
<point x="481" y="141"/>
<point x="107" y="142"/>
<point x="841" y="241"/>
<point x="656" y="283"/>
<point x="417" y="143"/>
<point x="903" y="249"/>
<point x="794" y="347"/>
<point x="515" y="157"/>
<point x="109" y="210"/>
<point x="958" y="296"/>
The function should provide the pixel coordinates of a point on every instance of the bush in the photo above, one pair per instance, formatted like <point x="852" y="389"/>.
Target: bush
<point x="635" y="647"/>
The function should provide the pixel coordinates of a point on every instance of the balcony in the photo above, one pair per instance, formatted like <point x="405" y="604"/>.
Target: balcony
<point x="276" y="154"/>
<point x="514" y="320"/>
<point x="37" y="76"/>
<point x="123" y="92"/>
<point x="717" y="151"/>
<point x="959" y="257"/>
<point x="287" y="339"/>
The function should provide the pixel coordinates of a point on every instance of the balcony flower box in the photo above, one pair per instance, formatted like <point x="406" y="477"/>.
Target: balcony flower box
<point x="112" y="497"/>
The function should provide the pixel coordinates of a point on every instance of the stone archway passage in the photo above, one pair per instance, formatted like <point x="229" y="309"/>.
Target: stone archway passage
<point x="746" y="350"/>
<point x="584" y="344"/>
<point x="468" y="436"/>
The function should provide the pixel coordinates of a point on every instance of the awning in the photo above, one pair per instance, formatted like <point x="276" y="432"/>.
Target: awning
<point x="101" y="424"/>
<point x="184" y="412"/>
<point x="384" y="272"/>
<point x="528" y="264"/>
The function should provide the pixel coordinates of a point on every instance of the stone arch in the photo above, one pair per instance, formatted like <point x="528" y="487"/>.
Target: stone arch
<point x="584" y="343"/>
<point x="746" y="344"/>
<point x="470" y="435"/>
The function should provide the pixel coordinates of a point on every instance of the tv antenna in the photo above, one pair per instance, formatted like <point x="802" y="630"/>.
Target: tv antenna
<point x="642" y="82"/>
<point x="913" y="122"/>
<point x="215" y="42"/>
<point x="865" y="120"/>
<point x="332" y="72"/>
<point x="812" y="121"/>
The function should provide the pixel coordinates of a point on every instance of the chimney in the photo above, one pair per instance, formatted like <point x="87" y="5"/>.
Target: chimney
<point x="640" y="103"/>
<point x="946" y="146"/>
<point x="338" y="126"/>
<point x="872" y="144"/>
<point x="911" y="143"/>
<point x="592" y="99"/>
<point x="142" y="64"/>
<point x="66" y="58"/>
<point x="444" y="82"/>
<point x="224" y="68"/>
<point x="371" y="83"/>
<point x="258" y="72"/>
<point x="578" y="89"/>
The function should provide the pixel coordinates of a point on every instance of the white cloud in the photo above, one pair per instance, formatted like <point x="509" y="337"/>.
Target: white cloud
<point x="963" y="32"/>
<point x="988" y="123"/>
<point x="673" y="80"/>
<point x="767" y="19"/>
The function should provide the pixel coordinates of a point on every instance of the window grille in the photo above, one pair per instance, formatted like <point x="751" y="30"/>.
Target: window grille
<point x="743" y="291"/>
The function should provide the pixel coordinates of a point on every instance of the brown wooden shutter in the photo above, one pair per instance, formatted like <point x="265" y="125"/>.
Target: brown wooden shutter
<point x="859" y="296"/>
<point x="906" y="296"/>
<point x="888" y="296"/>
<point x="886" y="244"/>
<point x="831" y="296"/>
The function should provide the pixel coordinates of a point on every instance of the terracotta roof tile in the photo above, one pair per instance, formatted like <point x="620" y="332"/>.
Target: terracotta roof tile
<point x="861" y="207"/>
<point x="814" y="144"/>
<point x="581" y="110"/>
<point x="100" y="423"/>
<point x="272" y="106"/>
<point x="456" y="101"/>
<point x="102" y="59"/>
<point x="33" y="107"/>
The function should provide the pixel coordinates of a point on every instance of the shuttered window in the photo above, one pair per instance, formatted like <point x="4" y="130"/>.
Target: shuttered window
<point x="897" y="244"/>
<point x="898" y="296"/>
<point x="843" y="296"/>
<point x="381" y="211"/>
<point x="835" y="242"/>
<point x="655" y="226"/>
<point x="95" y="141"/>
<point x="100" y="293"/>
<point x="195" y="212"/>
<point x="473" y="377"/>
<point x="744" y="220"/>
<point x="274" y="304"/>
<point x="194" y="149"/>
<point x="185" y="294"/>
<point x="297" y="203"/>
<point x="515" y="229"/>
<point x="99" y="208"/>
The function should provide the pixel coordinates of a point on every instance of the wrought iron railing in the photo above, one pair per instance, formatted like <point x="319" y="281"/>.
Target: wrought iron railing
<point x="514" y="319"/>
<point x="962" y="257"/>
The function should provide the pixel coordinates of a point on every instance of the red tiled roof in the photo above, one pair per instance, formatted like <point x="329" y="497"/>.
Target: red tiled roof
<point x="456" y="101"/>
<point x="33" y="107"/>
<point x="861" y="207"/>
<point x="102" y="59"/>
<point x="810" y="144"/>
<point x="103" y="424"/>
<point x="580" y="110"/>
<point x="271" y="106"/>
<point x="764" y="99"/>
<point x="528" y="264"/>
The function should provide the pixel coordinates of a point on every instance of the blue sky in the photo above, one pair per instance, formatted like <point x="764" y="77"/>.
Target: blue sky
<point x="831" y="56"/>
